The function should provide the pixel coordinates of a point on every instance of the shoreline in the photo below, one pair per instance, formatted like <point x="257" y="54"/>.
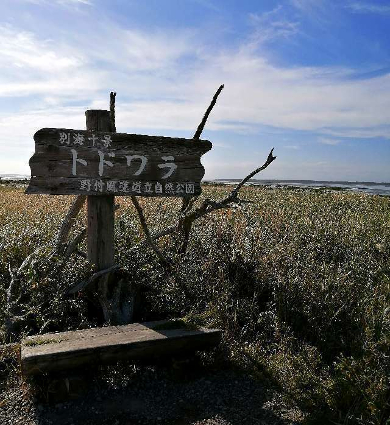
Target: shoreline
<point x="372" y="188"/>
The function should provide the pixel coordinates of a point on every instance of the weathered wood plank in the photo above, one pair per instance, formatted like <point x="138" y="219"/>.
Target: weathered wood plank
<point x="138" y="341"/>
<point x="50" y="136"/>
<point x="88" y="154"/>
<point x="123" y="187"/>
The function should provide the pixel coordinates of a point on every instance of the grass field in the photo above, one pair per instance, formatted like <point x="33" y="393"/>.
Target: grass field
<point x="299" y="280"/>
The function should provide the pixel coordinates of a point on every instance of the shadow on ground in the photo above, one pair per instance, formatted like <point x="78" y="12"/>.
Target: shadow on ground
<point x="127" y="394"/>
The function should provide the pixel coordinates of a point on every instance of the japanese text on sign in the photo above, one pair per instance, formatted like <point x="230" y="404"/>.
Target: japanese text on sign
<point x="79" y="139"/>
<point x="136" y="187"/>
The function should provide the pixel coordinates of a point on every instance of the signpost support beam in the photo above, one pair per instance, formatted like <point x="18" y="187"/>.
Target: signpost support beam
<point x="100" y="209"/>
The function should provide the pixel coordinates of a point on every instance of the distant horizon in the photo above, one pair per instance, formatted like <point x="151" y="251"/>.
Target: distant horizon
<point x="306" y="180"/>
<point x="27" y="176"/>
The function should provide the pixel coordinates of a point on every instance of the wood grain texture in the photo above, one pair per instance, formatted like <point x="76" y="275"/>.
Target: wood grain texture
<point x="138" y="341"/>
<point x="100" y="213"/>
<point x="100" y="236"/>
<point x="74" y="155"/>
<point x="98" y="119"/>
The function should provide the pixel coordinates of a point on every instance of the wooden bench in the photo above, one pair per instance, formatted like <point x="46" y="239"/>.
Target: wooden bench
<point x="139" y="341"/>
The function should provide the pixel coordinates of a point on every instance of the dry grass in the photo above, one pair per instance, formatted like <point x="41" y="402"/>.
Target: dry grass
<point x="299" y="280"/>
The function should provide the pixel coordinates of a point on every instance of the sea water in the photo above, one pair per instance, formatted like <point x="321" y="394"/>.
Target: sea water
<point x="372" y="188"/>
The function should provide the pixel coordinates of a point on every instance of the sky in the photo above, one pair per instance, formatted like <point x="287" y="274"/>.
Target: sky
<point x="310" y="78"/>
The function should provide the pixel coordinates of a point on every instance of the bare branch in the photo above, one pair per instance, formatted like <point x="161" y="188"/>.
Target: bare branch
<point x="270" y="159"/>
<point x="207" y="207"/>
<point x="72" y="246"/>
<point x="191" y="202"/>
<point x="147" y="232"/>
<point x="69" y="221"/>
<point x="112" y="111"/>
<point x="9" y="290"/>
<point x="188" y="202"/>
<point x="159" y="235"/>
<point x="28" y="260"/>
<point x="200" y="128"/>
<point x="83" y="284"/>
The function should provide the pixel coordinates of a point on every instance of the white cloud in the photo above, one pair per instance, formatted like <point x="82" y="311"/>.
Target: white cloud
<point x="21" y="49"/>
<point x="165" y="81"/>
<point x="138" y="51"/>
<point x="17" y="131"/>
<point x="361" y="133"/>
<point x="308" y="6"/>
<point x="21" y="127"/>
<point x="61" y="2"/>
<point x="208" y="4"/>
<point x="327" y="141"/>
<point x="363" y="7"/>
<point x="88" y="2"/>
<point x="297" y="98"/>
<point x="30" y="66"/>
<point x="272" y="25"/>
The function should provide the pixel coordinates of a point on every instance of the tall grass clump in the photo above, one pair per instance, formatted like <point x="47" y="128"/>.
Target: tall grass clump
<point x="297" y="279"/>
<point x="29" y="224"/>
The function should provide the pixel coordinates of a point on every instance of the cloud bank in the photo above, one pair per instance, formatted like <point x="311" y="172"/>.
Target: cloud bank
<point x="165" y="79"/>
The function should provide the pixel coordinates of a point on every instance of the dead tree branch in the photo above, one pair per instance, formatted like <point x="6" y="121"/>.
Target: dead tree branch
<point x="270" y="158"/>
<point x="10" y="291"/>
<point x="145" y="228"/>
<point x="68" y="222"/>
<point x="200" y="128"/>
<point x="186" y="201"/>
<point x="83" y="284"/>
<point x="15" y="315"/>
<point x="29" y="259"/>
<point x="208" y="206"/>
<point x="112" y="111"/>
<point x="72" y="246"/>
<point x="166" y="232"/>
<point x="185" y="224"/>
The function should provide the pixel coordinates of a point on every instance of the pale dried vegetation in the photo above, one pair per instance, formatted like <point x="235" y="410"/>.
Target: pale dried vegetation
<point x="298" y="280"/>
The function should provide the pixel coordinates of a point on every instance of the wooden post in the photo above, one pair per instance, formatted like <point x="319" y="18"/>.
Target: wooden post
<point x="100" y="208"/>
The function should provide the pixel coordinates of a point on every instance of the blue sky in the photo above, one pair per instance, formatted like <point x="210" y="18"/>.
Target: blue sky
<point x="308" y="77"/>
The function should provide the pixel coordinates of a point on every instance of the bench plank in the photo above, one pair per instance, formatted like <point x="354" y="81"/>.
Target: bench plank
<point x="67" y="350"/>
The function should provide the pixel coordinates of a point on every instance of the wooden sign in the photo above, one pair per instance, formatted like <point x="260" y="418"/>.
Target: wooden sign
<point x="102" y="163"/>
